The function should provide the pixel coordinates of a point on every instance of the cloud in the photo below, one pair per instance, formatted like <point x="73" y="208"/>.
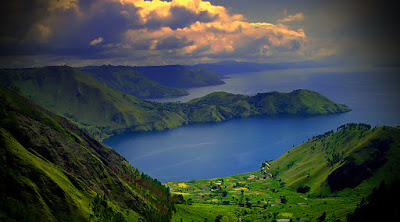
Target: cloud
<point x="139" y="31"/>
<point x="173" y="42"/>
<point x="290" y="18"/>
<point x="96" y="41"/>
<point x="211" y="30"/>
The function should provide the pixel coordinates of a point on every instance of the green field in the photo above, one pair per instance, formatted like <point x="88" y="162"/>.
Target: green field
<point x="261" y="199"/>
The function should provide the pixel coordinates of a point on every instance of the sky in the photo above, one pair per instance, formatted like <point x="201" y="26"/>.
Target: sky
<point x="137" y="32"/>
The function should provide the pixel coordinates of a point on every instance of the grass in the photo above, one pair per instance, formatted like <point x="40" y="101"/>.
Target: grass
<point x="202" y="212"/>
<point x="42" y="172"/>
<point x="265" y="197"/>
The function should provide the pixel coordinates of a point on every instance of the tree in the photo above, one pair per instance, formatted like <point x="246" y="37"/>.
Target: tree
<point x="322" y="217"/>
<point x="283" y="199"/>
<point x="303" y="189"/>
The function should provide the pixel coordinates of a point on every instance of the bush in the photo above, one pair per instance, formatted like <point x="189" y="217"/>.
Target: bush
<point x="303" y="189"/>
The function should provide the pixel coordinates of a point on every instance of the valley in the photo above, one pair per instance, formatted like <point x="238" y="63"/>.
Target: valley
<point x="323" y="179"/>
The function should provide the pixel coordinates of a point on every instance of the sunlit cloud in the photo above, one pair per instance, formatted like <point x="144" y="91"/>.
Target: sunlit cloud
<point x="290" y="18"/>
<point x="96" y="41"/>
<point x="213" y="31"/>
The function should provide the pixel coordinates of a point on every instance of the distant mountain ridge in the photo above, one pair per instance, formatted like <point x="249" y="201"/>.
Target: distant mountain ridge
<point x="232" y="67"/>
<point x="128" y="80"/>
<point x="180" y="76"/>
<point x="104" y="112"/>
<point x="153" y="81"/>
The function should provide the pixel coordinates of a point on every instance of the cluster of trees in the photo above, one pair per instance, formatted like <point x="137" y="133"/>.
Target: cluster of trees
<point x="336" y="157"/>
<point x="326" y="134"/>
<point x="349" y="126"/>
<point x="103" y="212"/>
<point x="352" y="126"/>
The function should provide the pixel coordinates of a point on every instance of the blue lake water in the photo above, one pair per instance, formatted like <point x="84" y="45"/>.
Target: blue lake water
<point x="237" y="146"/>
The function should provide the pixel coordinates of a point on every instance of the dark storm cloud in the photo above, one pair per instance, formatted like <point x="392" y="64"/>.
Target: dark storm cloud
<point x="19" y="15"/>
<point x="40" y="26"/>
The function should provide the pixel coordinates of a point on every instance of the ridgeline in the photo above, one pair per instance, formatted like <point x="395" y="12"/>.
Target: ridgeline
<point x="104" y="112"/>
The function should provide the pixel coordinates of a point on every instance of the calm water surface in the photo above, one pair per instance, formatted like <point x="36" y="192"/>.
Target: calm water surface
<point x="237" y="146"/>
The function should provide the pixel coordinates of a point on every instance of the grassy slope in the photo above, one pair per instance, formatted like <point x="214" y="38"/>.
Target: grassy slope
<point x="128" y="80"/>
<point x="205" y="71"/>
<point x="371" y="150"/>
<point x="363" y="156"/>
<point x="104" y="112"/>
<point x="51" y="170"/>
<point x="69" y="92"/>
<point x="221" y="106"/>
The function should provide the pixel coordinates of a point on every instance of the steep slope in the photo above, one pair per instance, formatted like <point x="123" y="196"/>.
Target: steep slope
<point x="128" y="80"/>
<point x="179" y="76"/>
<point x="53" y="171"/>
<point x="354" y="156"/>
<point x="73" y="94"/>
<point x="204" y="71"/>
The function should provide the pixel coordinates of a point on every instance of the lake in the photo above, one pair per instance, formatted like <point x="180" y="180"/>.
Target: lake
<point x="237" y="146"/>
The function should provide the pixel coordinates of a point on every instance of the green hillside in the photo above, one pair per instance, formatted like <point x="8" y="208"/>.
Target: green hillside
<point x="204" y="71"/>
<point x="53" y="171"/>
<point x="324" y="179"/>
<point x="128" y="80"/>
<point x="103" y="112"/>
<point x="354" y="156"/>
<point x="221" y="106"/>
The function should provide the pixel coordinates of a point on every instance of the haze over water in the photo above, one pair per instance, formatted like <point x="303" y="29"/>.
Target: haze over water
<point x="237" y="146"/>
